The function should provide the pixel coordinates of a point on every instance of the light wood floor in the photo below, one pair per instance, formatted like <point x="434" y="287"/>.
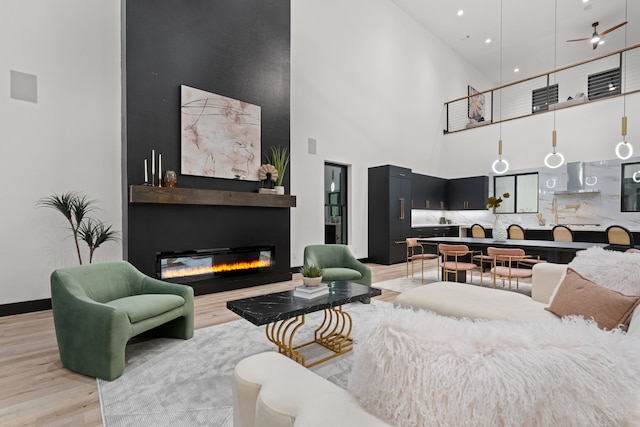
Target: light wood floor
<point x="35" y="390"/>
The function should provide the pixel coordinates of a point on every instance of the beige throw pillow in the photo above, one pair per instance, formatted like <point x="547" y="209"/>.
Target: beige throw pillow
<point x="581" y="297"/>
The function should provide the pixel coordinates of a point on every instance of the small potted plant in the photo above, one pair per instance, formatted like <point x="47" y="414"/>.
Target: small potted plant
<point x="311" y="275"/>
<point x="279" y="159"/>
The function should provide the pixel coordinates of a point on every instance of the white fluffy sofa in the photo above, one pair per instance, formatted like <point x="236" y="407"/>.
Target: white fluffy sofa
<point x="269" y="390"/>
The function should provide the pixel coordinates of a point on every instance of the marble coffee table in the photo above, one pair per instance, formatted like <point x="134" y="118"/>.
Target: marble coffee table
<point x="284" y="314"/>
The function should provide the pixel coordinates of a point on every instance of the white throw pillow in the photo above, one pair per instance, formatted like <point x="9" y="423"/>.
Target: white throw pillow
<point x="618" y="271"/>
<point x="415" y="368"/>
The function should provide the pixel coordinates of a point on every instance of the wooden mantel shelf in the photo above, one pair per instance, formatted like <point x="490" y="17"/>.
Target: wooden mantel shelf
<point x="193" y="196"/>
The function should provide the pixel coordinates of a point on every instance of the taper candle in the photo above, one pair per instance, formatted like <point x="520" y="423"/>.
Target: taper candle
<point x="146" y="177"/>
<point x="160" y="169"/>
<point x="153" y="162"/>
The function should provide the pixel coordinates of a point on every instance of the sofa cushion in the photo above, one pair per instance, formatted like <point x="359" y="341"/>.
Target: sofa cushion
<point x="415" y="368"/>
<point x="473" y="302"/>
<point x="141" y="307"/>
<point x="579" y="296"/>
<point x="338" y="273"/>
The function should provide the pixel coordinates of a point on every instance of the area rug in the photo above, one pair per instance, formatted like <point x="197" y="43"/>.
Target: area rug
<point x="170" y="382"/>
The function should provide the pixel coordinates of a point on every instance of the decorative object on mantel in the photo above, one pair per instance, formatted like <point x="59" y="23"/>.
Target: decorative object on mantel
<point x="311" y="275"/>
<point x="220" y="136"/>
<point x="499" y="230"/>
<point x="75" y="207"/>
<point x="279" y="159"/>
<point x="267" y="174"/>
<point x="170" y="179"/>
<point x="153" y="170"/>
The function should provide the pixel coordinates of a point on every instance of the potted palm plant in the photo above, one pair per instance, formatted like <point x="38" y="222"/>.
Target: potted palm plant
<point x="311" y="275"/>
<point x="76" y="208"/>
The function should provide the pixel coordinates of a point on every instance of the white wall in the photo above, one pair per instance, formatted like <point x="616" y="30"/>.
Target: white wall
<point x="369" y="84"/>
<point x="68" y="140"/>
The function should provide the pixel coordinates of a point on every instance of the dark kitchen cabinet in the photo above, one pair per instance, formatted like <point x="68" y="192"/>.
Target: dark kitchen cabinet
<point x="389" y="213"/>
<point x="428" y="192"/>
<point x="468" y="193"/>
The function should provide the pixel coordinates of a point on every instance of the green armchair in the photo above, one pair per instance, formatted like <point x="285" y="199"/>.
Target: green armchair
<point x="97" y="308"/>
<point x="338" y="263"/>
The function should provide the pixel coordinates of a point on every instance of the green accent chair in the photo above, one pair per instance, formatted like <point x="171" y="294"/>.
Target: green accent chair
<point x="97" y="308"/>
<point x="338" y="263"/>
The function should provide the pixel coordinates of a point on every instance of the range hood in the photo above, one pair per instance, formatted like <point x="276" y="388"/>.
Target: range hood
<point x="577" y="182"/>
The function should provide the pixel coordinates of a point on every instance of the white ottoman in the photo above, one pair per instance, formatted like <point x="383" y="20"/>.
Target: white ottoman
<point x="474" y="302"/>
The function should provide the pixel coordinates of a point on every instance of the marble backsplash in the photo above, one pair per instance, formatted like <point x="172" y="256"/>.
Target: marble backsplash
<point x="596" y="209"/>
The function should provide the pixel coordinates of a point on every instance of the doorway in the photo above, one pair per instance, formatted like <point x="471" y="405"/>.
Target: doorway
<point x="335" y="203"/>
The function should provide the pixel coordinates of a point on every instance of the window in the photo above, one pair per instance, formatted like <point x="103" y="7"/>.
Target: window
<point x="630" y="191"/>
<point x="606" y="83"/>
<point x="523" y="192"/>
<point x="543" y="97"/>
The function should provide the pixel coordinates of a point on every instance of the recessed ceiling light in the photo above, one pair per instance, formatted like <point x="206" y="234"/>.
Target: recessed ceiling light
<point x="487" y="41"/>
<point x="601" y="41"/>
<point x="460" y="12"/>
<point x="585" y="1"/>
<point x="516" y="70"/>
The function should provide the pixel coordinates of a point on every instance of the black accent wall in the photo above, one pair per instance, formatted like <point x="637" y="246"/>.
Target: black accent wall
<point x="235" y="48"/>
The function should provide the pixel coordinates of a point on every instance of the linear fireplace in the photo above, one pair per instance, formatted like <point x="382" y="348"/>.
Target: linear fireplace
<point x="205" y="264"/>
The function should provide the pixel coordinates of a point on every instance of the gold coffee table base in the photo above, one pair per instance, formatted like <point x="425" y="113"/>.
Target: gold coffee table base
<point x="332" y="334"/>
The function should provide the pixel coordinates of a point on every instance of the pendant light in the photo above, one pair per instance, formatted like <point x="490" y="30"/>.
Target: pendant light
<point x="500" y="166"/>
<point x="333" y="182"/>
<point x="554" y="159"/>
<point x="624" y="150"/>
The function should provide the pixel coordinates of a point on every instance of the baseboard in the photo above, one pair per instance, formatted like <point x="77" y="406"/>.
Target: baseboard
<point x="25" y="307"/>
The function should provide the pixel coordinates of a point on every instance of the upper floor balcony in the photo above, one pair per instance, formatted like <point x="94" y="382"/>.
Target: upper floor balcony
<point x="611" y="75"/>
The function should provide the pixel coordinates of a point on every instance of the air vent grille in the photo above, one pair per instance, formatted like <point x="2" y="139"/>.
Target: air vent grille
<point x="605" y="83"/>
<point x="543" y="97"/>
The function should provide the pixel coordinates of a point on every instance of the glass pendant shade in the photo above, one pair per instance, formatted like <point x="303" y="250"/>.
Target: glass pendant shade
<point x="500" y="166"/>
<point x="624" y="150"/>
<point x="554" y="159"/>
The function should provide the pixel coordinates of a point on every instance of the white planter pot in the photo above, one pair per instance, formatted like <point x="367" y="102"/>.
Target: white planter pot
<point x="311" y="281"/>
<point x="279" y="189"/>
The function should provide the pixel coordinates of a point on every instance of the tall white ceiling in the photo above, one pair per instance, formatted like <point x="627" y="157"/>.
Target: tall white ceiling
<point x="534" y="34"/>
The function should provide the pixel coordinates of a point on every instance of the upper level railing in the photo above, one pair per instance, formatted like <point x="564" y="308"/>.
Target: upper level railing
<point x="583" y="82"/>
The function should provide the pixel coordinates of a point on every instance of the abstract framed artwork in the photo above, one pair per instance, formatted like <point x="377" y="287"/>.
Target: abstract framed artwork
<point x="475" y="105"/>
<point x="220" y="136"/>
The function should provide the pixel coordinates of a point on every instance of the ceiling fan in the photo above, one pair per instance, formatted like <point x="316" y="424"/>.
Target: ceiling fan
<point x="596" y="38"/>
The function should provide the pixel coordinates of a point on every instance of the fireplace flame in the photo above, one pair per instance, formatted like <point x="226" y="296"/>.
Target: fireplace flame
<point x="219" y="268"/>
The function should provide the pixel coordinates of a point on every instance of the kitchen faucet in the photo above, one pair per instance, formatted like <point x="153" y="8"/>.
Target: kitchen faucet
<point x="554" y="210"/>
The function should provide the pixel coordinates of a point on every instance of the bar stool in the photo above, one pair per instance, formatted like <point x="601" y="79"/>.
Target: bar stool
<point x="562" y="233"/>
<point x="516" y="232"/>
<point x="412" y="246"/>
<point x="478" y="231"/>
<point x="619" y="236"/>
